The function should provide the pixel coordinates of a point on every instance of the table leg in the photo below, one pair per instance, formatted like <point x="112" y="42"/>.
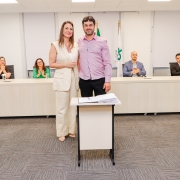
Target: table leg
<point x="112" y="150"/>
<point x="79" y="155"/>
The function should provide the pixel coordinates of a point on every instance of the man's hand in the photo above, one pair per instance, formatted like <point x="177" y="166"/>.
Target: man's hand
<point x="135" y="71"/>
<point x="138" y="70"/>
<point x="107" y="86"/>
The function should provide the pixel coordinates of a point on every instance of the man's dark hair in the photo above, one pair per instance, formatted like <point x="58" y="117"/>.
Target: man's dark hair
<point x="178" y="54"/>
<point x="88" y="18"/>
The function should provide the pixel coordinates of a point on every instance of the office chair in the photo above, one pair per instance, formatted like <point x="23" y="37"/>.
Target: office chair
<point x="11" y="69"/>
<point x="122" y="69"/>
<point x="170" y="64"/>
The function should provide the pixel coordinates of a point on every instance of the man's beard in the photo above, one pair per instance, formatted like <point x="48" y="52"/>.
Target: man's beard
<point x="89" y="33"/>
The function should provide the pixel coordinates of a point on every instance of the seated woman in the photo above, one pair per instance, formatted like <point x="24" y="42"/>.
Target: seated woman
<point x="40" y="70"/>
<point x="4" y="69"/>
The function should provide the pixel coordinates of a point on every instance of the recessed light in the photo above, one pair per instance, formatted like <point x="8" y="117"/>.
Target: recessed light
<point x="7" y="1"/>
<point x="159" y="0"/>
<point x="83" y="1"/>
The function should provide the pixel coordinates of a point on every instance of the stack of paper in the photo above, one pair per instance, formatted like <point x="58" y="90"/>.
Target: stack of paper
<point x="105" y="98"/>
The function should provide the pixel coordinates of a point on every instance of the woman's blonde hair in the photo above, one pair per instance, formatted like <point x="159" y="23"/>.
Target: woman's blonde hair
<point x="4" y="59"/>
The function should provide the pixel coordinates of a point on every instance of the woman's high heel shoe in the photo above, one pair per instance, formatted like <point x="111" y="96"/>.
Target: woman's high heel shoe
<point x="62" y="138"/>
<point x="72" y="135"/>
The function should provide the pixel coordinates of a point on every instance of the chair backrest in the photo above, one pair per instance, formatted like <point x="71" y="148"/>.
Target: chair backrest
<point x="122" y="68"/>
<point x="170" y="64"/>
<point x="49" y="69"/>
<point x="11" y="69"/>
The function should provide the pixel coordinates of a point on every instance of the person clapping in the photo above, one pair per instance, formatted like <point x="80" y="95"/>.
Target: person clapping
<point x="4" y="69"/>
<point x="40" y="70"/>
<point x="134" y="68"/>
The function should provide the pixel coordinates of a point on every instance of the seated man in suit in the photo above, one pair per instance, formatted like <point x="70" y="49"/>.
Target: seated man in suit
<point x="175" y="68"/>
<point x="133" y="68"/>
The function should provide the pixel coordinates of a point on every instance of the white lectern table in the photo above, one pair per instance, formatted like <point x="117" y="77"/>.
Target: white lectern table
<point x="95" y="126"/>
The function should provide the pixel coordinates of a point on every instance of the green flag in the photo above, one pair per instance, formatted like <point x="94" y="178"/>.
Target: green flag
<point x="118" y="55"/>
<point x="98" y="32"/>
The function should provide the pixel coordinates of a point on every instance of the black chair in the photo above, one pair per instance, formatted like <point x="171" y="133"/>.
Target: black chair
<point x="122" y="68"/>
<point x="11" y="69"/>
<point x="49" y="70"/>
<point x="170" y="64"/>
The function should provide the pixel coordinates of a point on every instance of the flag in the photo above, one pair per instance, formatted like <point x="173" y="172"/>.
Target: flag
<point x="118" y="54"/>
<point x="98" y="32"/>
<point x="97" y="29"/>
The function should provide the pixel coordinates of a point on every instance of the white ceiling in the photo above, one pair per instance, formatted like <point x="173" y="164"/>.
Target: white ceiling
<point x="98" y="6"/>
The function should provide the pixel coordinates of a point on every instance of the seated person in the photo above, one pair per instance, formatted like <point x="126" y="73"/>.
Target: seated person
<point x="175" y="68"/>
<point x="133" y="68"/>
<point x="40" y="70"/>
<point x="4" y="69"/>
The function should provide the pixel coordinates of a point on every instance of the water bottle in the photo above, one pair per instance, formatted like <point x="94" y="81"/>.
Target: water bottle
<point x="3" y="76"/>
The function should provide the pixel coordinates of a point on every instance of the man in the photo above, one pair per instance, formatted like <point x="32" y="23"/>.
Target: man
<point x="133" y="68"/>
<point x="95" y="67"/>
<point x="175" y="68"/>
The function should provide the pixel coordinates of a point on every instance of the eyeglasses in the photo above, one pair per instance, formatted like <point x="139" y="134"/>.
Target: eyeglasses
<point x="39" y="62"/>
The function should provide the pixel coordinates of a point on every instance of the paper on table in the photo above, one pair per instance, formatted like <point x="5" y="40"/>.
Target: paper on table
<point x="87" y="100"/>
<point x="105" y="98"/>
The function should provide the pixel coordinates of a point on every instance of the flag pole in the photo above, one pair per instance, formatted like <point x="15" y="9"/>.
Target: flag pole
<point x="97" y="29"/>
<point x="118" y="26"/>
<point x="96" y="25"/>
<point x="118" y="64"/>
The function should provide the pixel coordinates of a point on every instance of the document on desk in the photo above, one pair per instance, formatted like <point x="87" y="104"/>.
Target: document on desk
<point x="147" y="78"/>
<point x="105" y="98"/>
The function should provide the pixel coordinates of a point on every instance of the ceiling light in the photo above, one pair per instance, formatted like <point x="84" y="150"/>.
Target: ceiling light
<point x="158" y="0"/>
<point x="83" y="1"/>
<point x="7" y="1"/>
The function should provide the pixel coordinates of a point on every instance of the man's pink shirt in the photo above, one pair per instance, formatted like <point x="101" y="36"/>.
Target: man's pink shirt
<point x="95" y="62"/>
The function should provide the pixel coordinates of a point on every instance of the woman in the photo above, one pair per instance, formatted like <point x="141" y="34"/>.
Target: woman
<point x="4" y="69"/>
<point x="63" y="56"/>
<point x="40" y="70"/>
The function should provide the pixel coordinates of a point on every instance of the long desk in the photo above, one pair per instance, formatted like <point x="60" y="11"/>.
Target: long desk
<point x="147" y="95"/>
<point x="35" y="97"/>
<point x="27" y="97"/>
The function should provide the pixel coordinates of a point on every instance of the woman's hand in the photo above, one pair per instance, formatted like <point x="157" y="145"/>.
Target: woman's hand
<point x="39" y="73"/>
<point x="3" y="69"/>
<point x="70" y="64"/>
<point x="42" y="72"/>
